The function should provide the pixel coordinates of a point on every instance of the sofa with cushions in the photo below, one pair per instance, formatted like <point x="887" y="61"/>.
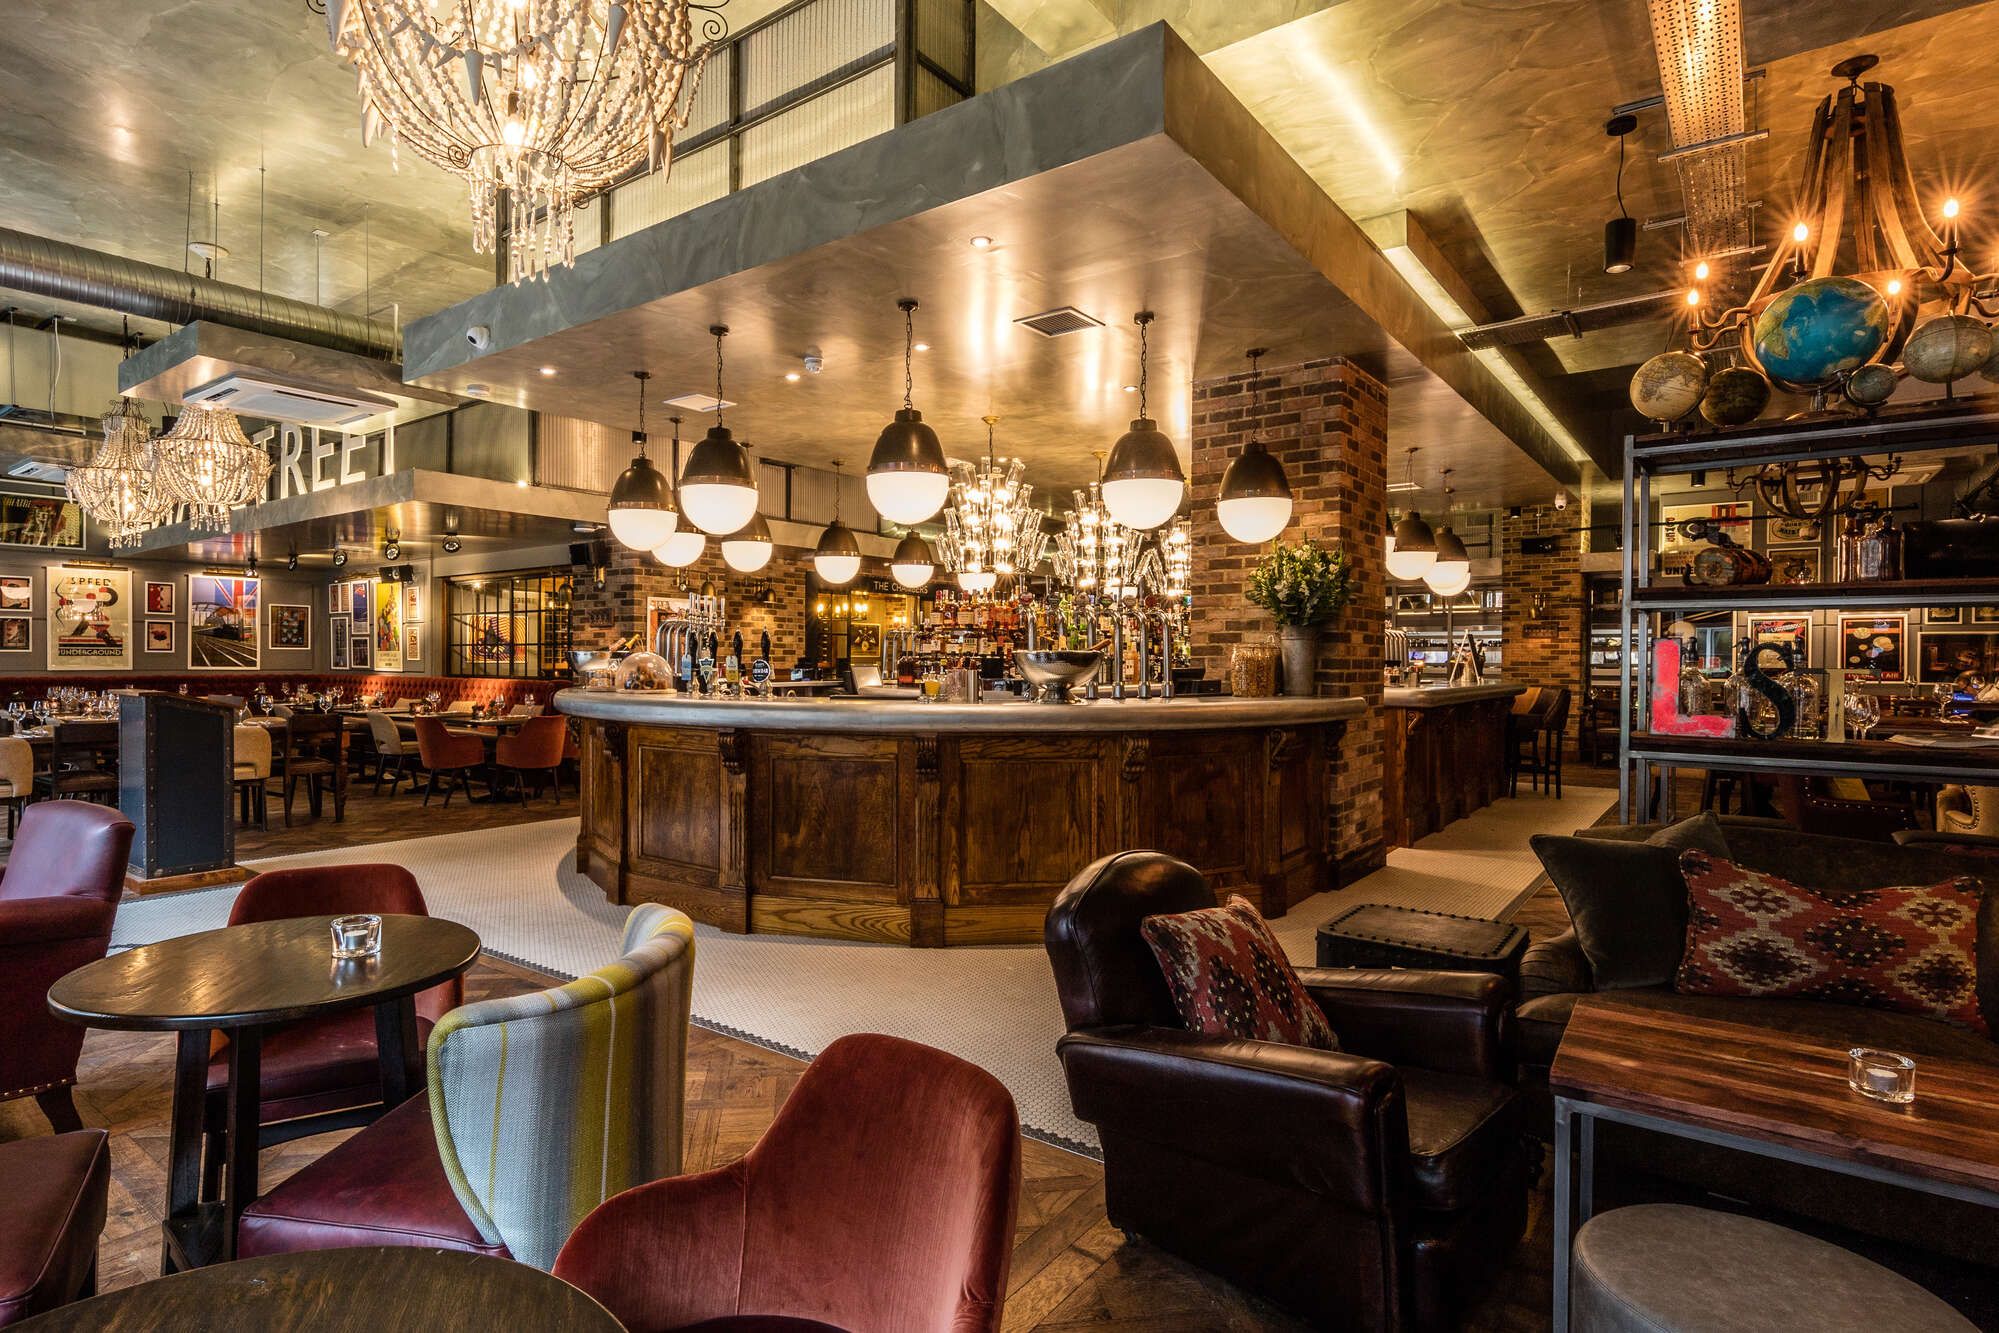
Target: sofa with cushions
<point x="1628" y="940"/>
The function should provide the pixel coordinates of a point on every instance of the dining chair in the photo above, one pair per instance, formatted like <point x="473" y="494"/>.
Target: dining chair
<point x="253" y="774"/>
<point x="445" y="754"/>
<point x="58" y="1195"/>
<point x="321" y="1074"/>
<point x="884" y="1147"/>
<point x="535" y="748"/>
<point x="539" y="1108"/>
<point x="390" y="748"/>
<point x="58" y="894"/>
<point x="17" y="778"/>
<point x="315" y="749"/>
<point x="83" y="762"/>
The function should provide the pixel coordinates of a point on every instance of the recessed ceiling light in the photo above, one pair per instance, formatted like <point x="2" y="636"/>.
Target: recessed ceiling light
<point x="1131" y="388"/>
<point x="548" y="370"/>
<point x="982" y="242"/>
<point x="923" y="347"/>
<point x="792" y="377"/>
<point x="476" y="389"/>
<point x="522" y="484"/>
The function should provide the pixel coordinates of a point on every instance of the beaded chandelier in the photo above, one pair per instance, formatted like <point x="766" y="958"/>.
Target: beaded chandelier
<point x="537" y="104"/>
<point x="991" y="527"/>
<point x="208" y="464"/>
<point x="118" y="487"/>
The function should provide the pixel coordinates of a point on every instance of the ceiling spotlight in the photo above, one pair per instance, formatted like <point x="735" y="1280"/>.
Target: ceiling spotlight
<point x="792" y="377"/>
<point x="920" y="347"/>
<point x="291" y="562"/>
<point x="392" y="549"/>
<point x="451" y="545"/>
<point x="982" y="242"/>
<point x="548" y="370"/>
<point x="476" y="390"/>
<point x="1620" y="234"/>
<point x="1143" y="484"/>
<point x="1131" y="388"/>
<point x="908" y="479"/>
<point x="339" y="558"/>
<point x="718" y="487"/>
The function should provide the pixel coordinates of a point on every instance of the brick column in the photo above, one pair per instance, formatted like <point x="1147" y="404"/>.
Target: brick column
<point x="1541" y="626"/>
<point x="1327" y="421"/>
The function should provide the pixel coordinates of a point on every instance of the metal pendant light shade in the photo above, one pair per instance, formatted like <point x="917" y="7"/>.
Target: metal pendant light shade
<point x="1143" y="483"/>
<point x="750" y="549"/>
<point x="1414" y="548"/>
<point x="1255" y="502"/>
<point x="1450" y="573"/>
<point x="718" y="487"/>
<point x="908" y="479"/>
<point x="1620" y="244"/>
<point x="642" y="513"/>
<point x="682" y="549"/>
<point x="837" y="558"/>
<point x="912" y="564"/>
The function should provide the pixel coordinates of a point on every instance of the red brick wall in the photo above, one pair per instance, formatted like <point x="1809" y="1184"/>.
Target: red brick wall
<point x="601" y="615"/>
<point x="1544" y="647"/>
<point x="1327" y="421"/>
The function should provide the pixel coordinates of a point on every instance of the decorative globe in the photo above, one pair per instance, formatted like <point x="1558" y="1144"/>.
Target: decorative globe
<point x="1946" y="348"/>
<point x="1735" y="397"/>
<point x="1990" y="370"/>
<point x="1813" y="333"/>
<point x="1871" y="386"/>
<point x="1668" y="386"/>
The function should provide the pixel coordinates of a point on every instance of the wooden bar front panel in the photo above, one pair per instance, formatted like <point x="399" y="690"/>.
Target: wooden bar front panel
<point x="1440" y="764"/>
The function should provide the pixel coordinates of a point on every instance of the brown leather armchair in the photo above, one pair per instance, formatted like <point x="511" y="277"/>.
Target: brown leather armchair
<point x="1376" y="1187"/>
<point x="57" y="898"/>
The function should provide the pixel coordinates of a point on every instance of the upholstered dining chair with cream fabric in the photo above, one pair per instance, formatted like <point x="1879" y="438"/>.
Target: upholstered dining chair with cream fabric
<point x="540" y="1107"/>
<point x="17" y="778"/>
<point x="253" y="772"/>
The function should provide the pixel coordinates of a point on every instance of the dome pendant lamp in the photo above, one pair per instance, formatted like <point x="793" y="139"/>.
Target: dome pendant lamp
<point x="684" y="545"/>
<point x="750" y="549"/>
<point x="1450" y="574"/>
<point x="908" y="479"/>
<point x="837" y="558"/>
<point x="718" y="486"/>
<point x="912" y="564"/>
<point x="1143" y="483"/>
<point x="1412" y="549"/>
<point x="1255" y="503"/>
<point x="641" y="510"/>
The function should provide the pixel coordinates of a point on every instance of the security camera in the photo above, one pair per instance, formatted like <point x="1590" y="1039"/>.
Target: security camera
<point x="479" y="336"/>
<point x="1561" y="501"/>
<point x="814" y="364"/>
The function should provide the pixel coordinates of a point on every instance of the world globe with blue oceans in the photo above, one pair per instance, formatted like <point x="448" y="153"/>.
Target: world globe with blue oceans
<point x="1813" y="333"/>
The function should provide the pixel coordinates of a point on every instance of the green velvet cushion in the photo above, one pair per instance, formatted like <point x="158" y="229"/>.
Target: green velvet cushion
<point x="1628" y="900"/>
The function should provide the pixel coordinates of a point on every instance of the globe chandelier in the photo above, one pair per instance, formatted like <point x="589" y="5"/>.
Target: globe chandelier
<point x="991" y="527"/>
<point x="1095" y="554"/>
<point x="207" y="464"/>
<point x="118" y="487"/>
<point x="536" y="104"/>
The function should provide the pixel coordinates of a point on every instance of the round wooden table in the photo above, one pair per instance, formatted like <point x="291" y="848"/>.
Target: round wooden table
<point x="338" y="1291"/>
<point x="245" y="980"/>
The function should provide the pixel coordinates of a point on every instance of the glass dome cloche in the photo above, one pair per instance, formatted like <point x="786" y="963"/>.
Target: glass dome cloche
<point x="644" y="671"/>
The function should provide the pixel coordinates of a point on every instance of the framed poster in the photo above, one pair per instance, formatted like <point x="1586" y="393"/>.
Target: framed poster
<point x="15" y="635"/>
<point x="290" y="627"/>
<point x="1795" y="564"/>
<point x="17" y="592"/>
<point x="412" y="603"/>
<point x="336" y="641"/>
<point x="159" y="636"/>
<point x="1942" y="656"/>
<point x="357" y="649"/>
<point x="1983" y="615"/>
<point x="1793" y="631"/>
<point x="90" y="619"/>
<point x="46" y="522"/>
<point x="1944" y="615"/>
<point x="357" y="602"/>
<point x="1873" y="644"/>
<point x="412" y="644"/>
<point x="222" y="623"/>
<point x="336" y="599"/>
<point x="159" y="599"/>
<point x="388" y="628"/>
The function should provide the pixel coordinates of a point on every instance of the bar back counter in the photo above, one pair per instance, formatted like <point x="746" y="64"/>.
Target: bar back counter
<point x="935" y="824"/>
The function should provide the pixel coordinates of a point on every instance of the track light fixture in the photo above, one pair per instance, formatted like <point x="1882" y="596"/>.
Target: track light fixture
<point x="1620" y="234"/>
<point x="339" y="558"/>
<point x="451" y="545"/>
<point x="392" y="548"/>
<point x="291" y="562"/>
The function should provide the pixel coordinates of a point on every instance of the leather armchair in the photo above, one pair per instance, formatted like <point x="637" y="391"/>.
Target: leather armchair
<point x="1374" y="1187"/>
<point x="57" y="899"/>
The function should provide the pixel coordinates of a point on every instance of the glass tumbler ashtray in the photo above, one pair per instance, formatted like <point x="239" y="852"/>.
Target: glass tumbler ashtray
<point x="1881" y="1075"/>
<point x="357" y="936"/>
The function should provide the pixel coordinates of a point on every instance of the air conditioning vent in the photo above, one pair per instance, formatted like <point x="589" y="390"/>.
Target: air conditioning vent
<point x="1062" y="319"/>
<point x="33" y="469"/>
<point x="288" y="402"/>
<point x="703" y="403"/>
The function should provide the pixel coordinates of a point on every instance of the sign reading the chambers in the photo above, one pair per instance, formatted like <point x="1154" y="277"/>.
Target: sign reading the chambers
<point x="306" y="459"/>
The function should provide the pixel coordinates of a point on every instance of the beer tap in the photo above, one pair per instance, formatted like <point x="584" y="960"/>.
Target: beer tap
<point x="1117" y="653"/>
<point x="1144" y="652"/>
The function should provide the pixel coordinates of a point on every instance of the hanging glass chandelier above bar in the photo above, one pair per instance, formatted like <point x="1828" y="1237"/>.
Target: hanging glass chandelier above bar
<point x="991" y="527"/>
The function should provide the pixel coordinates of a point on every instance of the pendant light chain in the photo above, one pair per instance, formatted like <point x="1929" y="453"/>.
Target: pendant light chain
<point x="1255" y="395"/>
<point x="720" y="331"/>
<point x="1144" y="358"/>
<point x="837" y="463"/>
<point x="909" y="354"/>
<point x="640" y="439"/>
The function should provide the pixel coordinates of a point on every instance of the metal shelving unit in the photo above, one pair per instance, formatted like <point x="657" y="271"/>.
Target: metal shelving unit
<point x="1913" y="429"/>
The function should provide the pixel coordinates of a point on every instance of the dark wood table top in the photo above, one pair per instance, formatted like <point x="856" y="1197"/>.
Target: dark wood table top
<point x="263" y="973"/>
<point x="342" y="1291"/>
<point x="1783" y="1089"/>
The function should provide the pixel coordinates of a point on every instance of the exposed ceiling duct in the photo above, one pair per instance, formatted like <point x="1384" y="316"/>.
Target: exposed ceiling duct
<point x="1701" y="68"/>
<point x="64" y="272"/>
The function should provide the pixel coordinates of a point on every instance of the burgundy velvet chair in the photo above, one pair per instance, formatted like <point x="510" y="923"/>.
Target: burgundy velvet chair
<point x="57" y="1192"/>
<point x="322" y="1066"/>
<point x="535" y="748"/>
<point x="57" y="898"/>
<point x="881" y="1198"/>
<point x="445" y="753"/>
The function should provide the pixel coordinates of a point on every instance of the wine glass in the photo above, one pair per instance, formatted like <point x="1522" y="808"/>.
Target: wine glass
<point x="1863" y="712"/>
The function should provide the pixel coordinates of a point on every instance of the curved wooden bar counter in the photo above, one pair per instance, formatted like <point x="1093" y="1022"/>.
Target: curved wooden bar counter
<point x="936" y="824"/>
<point x="1443" y="755"/>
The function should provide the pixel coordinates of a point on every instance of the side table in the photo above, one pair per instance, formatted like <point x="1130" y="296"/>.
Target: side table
<point x="1371" y="935"/>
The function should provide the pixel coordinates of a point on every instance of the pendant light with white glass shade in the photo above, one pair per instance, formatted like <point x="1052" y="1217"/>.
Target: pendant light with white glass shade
<point x="837" y="558"/>
<point x="683" y="545"/>
<point x="718" y="486"/>
<point x="913" y="562"/>
<point x="1412" y="547"/>
<point x="1143" y="484"/>
<point x="641" y="509"/>
<point x="748" y="549"/>
<point x="908" y="478"/>
<point x="1450" y="573"/>
<point x="1255" y="502"/>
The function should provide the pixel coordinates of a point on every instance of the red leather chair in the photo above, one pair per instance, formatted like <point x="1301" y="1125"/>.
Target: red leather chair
<point x="57" y="898"/>
<point x="443" y="752"/>
<point x="535" y="748"/>
<point x="57" y="1191"/>
<point x="881" y="1198"/>
<point x="324" y="1065"/>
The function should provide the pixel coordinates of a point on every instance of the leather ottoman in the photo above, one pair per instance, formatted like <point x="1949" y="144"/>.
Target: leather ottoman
<point x="57" y="1189"/>
<point x="1371" y="935"/>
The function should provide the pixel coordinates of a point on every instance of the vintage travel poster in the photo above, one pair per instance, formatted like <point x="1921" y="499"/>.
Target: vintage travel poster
<point x="388" y="628"/>
<point x="222" y="623"/>
<point x="90" y="619"/>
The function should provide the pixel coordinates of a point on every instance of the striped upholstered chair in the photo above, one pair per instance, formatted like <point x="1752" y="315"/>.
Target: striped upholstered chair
<point x="540" y="1107"/>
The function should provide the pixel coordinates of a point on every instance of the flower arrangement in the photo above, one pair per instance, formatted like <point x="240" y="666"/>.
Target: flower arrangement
<point x="1302" y="584"/>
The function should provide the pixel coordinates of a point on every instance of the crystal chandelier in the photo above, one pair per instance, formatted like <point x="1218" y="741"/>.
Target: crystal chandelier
<point x="1179" y="558"/>
<point x="537" y="104"/>
<point x="207" y="463"/>
<point x="118" y="487"/>
<point x="991" y="526"/>
<point x="1097" y="554"/>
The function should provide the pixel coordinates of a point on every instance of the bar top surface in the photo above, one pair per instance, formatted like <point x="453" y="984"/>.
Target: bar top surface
<point x="1445" y="696"/>
<point x="648" y="708"/>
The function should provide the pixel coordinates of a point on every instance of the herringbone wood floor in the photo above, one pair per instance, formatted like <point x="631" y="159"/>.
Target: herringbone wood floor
<point x="1071" y="1270"/>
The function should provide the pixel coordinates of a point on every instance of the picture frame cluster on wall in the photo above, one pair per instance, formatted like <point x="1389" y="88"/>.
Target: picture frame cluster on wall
<point x="17" y="605"/>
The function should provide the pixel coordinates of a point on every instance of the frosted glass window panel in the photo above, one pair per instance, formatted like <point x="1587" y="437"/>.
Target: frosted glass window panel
<point x="697" y="178"/>
<point x="933" y="94"/>
<point x="811" y="43"/>
<point x="944" y="36"/>
<point x="834" y="120"/>
<point x="588" y="219"/>
<point x="710" y="108"/>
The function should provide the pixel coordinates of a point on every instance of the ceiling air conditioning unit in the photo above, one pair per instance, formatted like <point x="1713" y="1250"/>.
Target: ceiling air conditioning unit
<point x="250" y="397"/>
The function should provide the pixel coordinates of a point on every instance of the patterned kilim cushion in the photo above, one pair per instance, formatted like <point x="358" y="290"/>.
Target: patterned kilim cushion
<point x="1909" y="948"/>
<point x="1229" y="977"/>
